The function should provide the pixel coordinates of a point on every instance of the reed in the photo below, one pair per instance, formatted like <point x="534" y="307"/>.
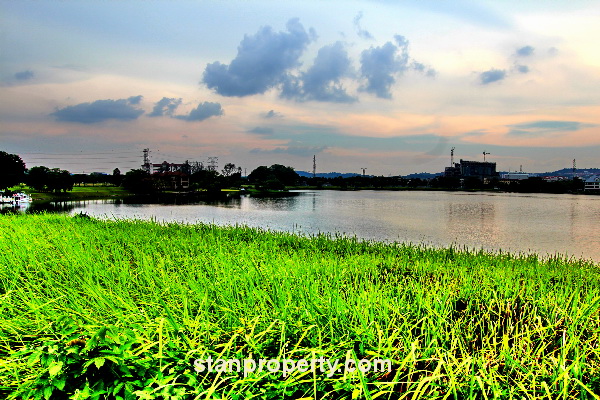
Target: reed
<point x="121" y="309"/>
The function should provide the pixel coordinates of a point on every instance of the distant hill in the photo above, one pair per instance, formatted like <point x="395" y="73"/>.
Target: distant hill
<point x="569" y="172"/>
<point x="305" y="174"/>
<point x="422" y="175"/>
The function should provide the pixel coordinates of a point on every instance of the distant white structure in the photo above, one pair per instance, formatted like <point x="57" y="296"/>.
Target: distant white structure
<point x="593" y="183"/>
<point x="515" y="176"/>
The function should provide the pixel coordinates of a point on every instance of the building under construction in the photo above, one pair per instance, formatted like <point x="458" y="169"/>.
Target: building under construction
<point x="472" y="169"/>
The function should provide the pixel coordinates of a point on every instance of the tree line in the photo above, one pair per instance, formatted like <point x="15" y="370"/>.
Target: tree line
<point x="43" y="179"/>
<point x="276" y="177"/>
<point x="190" y="176"/>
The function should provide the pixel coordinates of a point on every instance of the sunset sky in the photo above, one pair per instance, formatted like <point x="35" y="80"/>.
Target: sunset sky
<point x="390" y="86"/>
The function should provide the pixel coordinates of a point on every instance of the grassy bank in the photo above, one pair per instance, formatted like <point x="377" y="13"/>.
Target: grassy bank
<point x="121" y="309"/>
<point x="91" y="192"/>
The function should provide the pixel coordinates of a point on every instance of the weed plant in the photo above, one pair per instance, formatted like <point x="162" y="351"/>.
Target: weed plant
<point x="93" y="309"/>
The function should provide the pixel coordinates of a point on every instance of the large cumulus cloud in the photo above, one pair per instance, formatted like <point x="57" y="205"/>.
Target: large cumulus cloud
<point x="322" y="81"/>
<point x="100" y="110"/>
<point x="271" y="60"/>
<point x="262" y="61"/>
<point x="379" y="65"/>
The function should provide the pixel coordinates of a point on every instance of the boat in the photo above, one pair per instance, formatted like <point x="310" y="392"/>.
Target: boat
<point x="15" y="198"/>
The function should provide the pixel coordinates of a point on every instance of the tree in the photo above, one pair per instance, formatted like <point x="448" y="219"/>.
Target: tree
<point x="276" y="172"/>
<point x="59" y="180"/>
<point x="260" y="174"/>
<point x="229" y="169"/>
<point x="286" y="175"/>
<point x="53" y="180"/>
<point x="206" y="179"/>
<point x="117" y="177"/>
<point x="12" y="170"/>
<point x="138" y="181"/>
<point x="37" y="178"/>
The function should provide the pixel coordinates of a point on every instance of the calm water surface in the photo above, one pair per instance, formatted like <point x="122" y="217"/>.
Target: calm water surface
<point x="542" y="223"/>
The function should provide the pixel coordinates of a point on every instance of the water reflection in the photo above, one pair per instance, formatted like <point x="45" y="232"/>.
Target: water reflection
<point x="279" y="203"/>
<point x="55" y="206"/>
<point x="6" y="209"/>
<point x="472" y="223"/>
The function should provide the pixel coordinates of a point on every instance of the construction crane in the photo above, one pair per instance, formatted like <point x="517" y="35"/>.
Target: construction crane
<point x="484" y="154"/>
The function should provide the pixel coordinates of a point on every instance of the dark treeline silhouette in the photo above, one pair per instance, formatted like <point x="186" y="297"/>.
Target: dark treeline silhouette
<point x="358" y="182"/>
<point x="530" y="185"/>
<point x="188" y="177"/>
<point x="12" y="170"/>
<point x="194" y="176"/>
<point x="44" y="179"/>
<point x="275" y="177"/>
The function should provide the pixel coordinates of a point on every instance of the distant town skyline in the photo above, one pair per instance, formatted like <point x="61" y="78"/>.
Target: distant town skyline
<point x="382" y="85"/>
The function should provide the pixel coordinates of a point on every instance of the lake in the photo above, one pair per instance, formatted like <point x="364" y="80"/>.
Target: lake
<point x="546" y="224"/>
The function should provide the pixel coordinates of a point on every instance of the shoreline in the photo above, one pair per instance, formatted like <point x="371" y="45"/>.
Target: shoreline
<point x="113" y="192"/>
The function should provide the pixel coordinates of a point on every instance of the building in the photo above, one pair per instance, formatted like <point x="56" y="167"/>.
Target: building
<point x="592" y="184"/>
<point x="166" y="167"/>
<point x="452" y="172"/>
<point x="472" y="169"/>
<point x="515" y="176"/>
<point x="172" y="180"/>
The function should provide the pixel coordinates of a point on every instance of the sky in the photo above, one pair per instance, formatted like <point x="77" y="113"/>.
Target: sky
<point x="390" y="86"/>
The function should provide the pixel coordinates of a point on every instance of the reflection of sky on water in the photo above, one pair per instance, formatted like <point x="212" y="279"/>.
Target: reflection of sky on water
<point x="542" y="223"/>
<point x="472" y="223"/>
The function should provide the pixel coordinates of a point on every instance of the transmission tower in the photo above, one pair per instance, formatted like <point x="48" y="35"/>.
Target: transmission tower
<point x="146" y="165"/>
<point x="213" y="163"/>
<point x="452" y="157"/>
<point x="314" y="166"/>
<point x="574" y="168"/>
<point x="364" y="171"/>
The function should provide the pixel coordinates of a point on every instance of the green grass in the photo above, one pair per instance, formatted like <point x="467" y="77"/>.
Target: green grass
<point x="120" y="309"/>
<point x="78" y="193"/>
